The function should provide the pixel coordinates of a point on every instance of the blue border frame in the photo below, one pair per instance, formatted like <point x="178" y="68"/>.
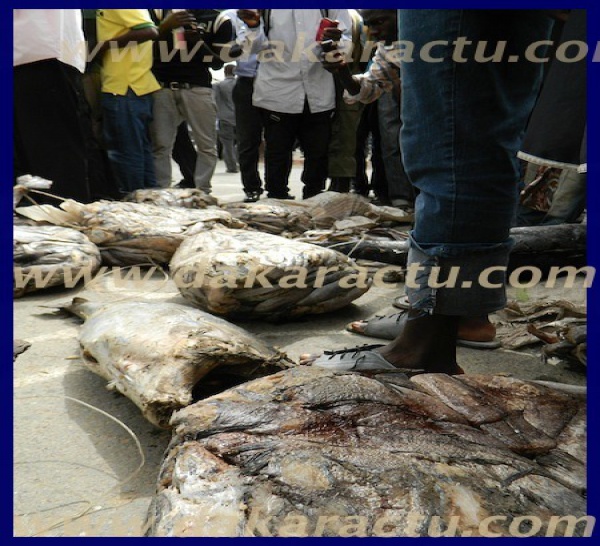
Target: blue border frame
<point x="593" y="194"/>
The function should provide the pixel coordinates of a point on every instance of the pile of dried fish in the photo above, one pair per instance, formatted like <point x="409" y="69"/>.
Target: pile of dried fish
<point x="274" y="216"/>
<point x="306" y="452"/>
<point x="245" y="274"/>
<point x="163" y="356"/>
<point x="131" y="233"/>
<point x="328" y="216"/>
<point x="189" y="198"/>
<point x="46" y="256"/>
<point x="560" y="325"/>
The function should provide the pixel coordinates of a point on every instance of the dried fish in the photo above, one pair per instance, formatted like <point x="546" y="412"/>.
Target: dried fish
<point x="131" y="233"/>
<point x="189" y="198"/>
<point x="307" y="452"/>
<point x="46" y="256"/>
<point x="274" y="216"/>
<point x="163" y="356"/>
<point x="244" y="274"/>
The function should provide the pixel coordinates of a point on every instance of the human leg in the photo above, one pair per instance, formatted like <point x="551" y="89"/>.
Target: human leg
<point x="314" y="134"/>
<point x="249" y="130"/>
<point x="48" y="134"/>
<point x="341" y="160"/>
<point x="184" y="154"/>
<point x="400" y="190"/>
<point x="199" y="109"/>
<point x="163" y="131"/>
<point x="126" y="132"/>
<point x="227" y="138"/>
<point x="460" y="151"/>
<point x="280" y="136"/>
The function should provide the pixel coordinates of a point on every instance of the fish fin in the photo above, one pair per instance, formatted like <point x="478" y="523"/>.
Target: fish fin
<point x="46" y="213"/>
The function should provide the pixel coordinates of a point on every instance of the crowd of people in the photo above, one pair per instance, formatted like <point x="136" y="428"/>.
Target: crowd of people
<point x="140" y="94"/>
<point x="444" y="134"/>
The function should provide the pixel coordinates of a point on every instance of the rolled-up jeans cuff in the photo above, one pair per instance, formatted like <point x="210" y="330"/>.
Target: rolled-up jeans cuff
<point x="457" y="279"/>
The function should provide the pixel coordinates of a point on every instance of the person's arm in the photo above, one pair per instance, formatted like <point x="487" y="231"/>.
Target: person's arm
<point x="175" y="19"/>
<point x="249" y="30"/>
<point x="382" y="77"/>
<point x="140" y="28"/>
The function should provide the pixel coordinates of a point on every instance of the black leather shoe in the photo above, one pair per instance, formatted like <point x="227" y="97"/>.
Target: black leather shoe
<point x="252" y="197"/>
<point x="286" y="196"/>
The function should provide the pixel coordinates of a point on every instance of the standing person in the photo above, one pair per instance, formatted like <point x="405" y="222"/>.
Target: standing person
<point x="381" y="83"/>
<point x="125" y="37"/>
<point x="342" y="164"/>
<point x="183" y="72"/>
<point x="463" y="125"/>
<point x="248" y="121"/>
<point x="49" y="59"/>
<point x="226" y="118"/>
<point x="101" y="178"/>
<point x="295" y="93"/>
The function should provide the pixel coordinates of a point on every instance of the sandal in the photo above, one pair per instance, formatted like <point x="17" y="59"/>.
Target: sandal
<point x="389" y="327"/>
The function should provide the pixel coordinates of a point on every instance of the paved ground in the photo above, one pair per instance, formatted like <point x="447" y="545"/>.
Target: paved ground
<point x="78" y="471"/>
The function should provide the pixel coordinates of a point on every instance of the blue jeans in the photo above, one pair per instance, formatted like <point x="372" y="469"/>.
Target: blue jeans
<point x="126" y="122"/>
<point x="463" y="122"/>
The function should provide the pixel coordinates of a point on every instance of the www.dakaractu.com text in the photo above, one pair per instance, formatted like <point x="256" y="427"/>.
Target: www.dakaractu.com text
<point x="255" y="275"/>
<point x="259" y="523"/>
<point x="460" y="50"/>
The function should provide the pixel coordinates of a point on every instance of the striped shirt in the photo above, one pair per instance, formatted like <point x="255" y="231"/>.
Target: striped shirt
<point x="381" y="77"/>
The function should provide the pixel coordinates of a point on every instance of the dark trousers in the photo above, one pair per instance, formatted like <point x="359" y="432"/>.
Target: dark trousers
<point x="369" y="125"/>
<point x="184" y="154"/>
<point x="49" y="139"/>
<point x="281" y="132"/>
<point x="249" y="129"/>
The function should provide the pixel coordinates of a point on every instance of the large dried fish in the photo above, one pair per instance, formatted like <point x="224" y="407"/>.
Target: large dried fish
<point x="163" y="356"/>
<point x="307" y="452"/>
<point x="244" y="274"/>
<point x="189" y="198"/>
<point x="131" y="233"/>
<point x="328" y="207"/>
<point x="273" y="216"/>
<point x="46" y="256"/>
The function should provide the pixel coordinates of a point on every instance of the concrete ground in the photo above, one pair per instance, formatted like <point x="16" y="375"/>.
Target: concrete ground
<point x="86" y="462"/>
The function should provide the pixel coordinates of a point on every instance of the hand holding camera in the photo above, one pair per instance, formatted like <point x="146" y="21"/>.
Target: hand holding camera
<point x="329" y="35"/>
<point x="250" y="16"/>
<point x="180" y="18"/>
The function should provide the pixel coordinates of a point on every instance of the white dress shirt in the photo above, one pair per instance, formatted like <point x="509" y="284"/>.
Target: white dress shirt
<point x="289" y="69"/>
<point x="40" y="34"/>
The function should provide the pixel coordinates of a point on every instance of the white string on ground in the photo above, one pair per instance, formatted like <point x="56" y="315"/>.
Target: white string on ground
<point x="93" y="502"/>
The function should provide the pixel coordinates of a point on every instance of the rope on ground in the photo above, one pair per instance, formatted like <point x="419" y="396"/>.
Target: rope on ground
<point x="93" y="502"/>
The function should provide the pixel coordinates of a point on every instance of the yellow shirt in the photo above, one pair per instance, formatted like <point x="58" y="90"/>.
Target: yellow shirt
<point x="129" y="66"/>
